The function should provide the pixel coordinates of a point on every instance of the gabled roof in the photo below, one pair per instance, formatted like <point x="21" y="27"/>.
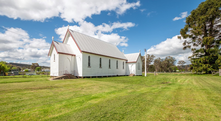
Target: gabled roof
<point x="95" y="46"/>
<point x="132" y="58"/>
<point x="61" y="48"/>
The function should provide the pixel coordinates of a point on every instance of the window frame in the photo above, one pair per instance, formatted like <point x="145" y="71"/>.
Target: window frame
<point x="54" y="57"/>
<point x="109" y="63"/>
<point x="138" y="65"/>
<point x="89" y="62"/>
<point x="117" y="64"/>
<point x="100" y="63"/>
<point x="123" y="64"/>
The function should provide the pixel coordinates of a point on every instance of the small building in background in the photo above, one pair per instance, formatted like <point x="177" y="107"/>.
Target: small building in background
<point x="15" y="72"/>
<point x="134" y="64"/>
<point x="45" y="70"/>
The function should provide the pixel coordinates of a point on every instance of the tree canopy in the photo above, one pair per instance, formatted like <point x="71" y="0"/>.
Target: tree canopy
<point x="181" y="62"/>
<point x="3" y="67"/>
<point x="14" y="68"/>
<point x="149" y="60"/>
<point x="218" y="61"/>
<point x="203" y="36"/>
<point x="167" y="63"/>
<point x="164" y="64"/>
<point x="38" y="69"/>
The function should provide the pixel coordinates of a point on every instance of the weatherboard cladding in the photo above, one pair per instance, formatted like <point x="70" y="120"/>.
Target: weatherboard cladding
<point x="132" y="57"/>
<point x="96" y="46"/>
<point x="63" y="48"/>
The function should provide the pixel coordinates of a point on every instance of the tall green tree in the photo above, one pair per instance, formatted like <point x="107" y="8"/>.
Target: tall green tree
<point x="149" y="60"/>
<point x="181" y="63"/>
<point x="3" y="67"/>
<point x="158" y="64"/>
<point x="38" y="69"/>
<point x="202" y="35"/>
<point x="186" y="68"/>
<point x="151" y="68"/>
<point x="218" y="62"/>
<point x="14" y="68"/>
<point x="167" y="63"/>
<point x="174" y="68"/>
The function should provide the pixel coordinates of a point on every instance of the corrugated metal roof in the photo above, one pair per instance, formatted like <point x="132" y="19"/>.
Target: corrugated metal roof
<point x="132" y="57"/>
<point x="63" y="48"/>
<point x="96" y="46"/>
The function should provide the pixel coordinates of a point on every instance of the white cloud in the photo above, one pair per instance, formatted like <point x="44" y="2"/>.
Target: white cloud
<point x="12" y="39"/>
<point x="102" y="32"/>
<point x="17" y="46"/>
<point x="182" y="15"/>
<point x="171" y="47"/>
<point x="123" y="7"/>
<point x="41" y="35"/>
<point x="68" y="10"/>
<point x="148" y="14"/>
<point x="142" y="10"/>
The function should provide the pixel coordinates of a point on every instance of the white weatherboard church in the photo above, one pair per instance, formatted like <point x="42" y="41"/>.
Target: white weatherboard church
<point x="85" y="56"/>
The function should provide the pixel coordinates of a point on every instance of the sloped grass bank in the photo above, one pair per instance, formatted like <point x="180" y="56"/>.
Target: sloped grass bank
<point x="162" y="97"/>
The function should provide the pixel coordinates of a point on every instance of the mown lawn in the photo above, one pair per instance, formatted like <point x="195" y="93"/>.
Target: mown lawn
<point x="162" y="97"/>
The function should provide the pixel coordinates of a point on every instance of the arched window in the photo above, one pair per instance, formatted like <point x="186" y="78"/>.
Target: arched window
<point x="109" y="63"/>
<point x="123" y="65"/>
<point x="89" y="61"/>
<point x="138" y="66"/>
<point x="117" y="64"/>
<point x="100" y="63"/>
<point x="54" y="57"/>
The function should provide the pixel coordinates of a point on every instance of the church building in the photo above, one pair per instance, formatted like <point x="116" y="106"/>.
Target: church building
<point x="84" y="56"/>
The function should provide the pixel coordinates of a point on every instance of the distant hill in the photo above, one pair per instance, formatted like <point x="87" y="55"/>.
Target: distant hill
<point x="21" y="65"/>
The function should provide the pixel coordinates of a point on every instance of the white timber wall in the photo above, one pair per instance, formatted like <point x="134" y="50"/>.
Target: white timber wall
<point x="66" y="64"/>
<point x="95" y="70"/>
<point x="131" y="68"/>
<point x="78" y="57"/>
<point x="139" y="69"/>
<point x="54" y="69"/>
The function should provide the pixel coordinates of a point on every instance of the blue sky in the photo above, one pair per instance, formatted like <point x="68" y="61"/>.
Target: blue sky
<point x="26" y="27"/>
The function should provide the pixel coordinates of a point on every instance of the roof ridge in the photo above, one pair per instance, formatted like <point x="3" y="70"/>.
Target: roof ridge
<point x="60" y="43"/>
<point x="131" y="53"/>
<point x="56" y="41"/>
<point x="93" y="37"/>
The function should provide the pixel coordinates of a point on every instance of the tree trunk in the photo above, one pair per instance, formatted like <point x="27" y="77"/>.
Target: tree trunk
<point x="4" y="73"/>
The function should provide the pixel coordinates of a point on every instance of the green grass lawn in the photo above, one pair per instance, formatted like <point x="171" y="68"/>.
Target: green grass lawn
<point x="162" y="97"/>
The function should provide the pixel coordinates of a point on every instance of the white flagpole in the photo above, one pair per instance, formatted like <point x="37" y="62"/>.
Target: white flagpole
<point x="145" y="63"/>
